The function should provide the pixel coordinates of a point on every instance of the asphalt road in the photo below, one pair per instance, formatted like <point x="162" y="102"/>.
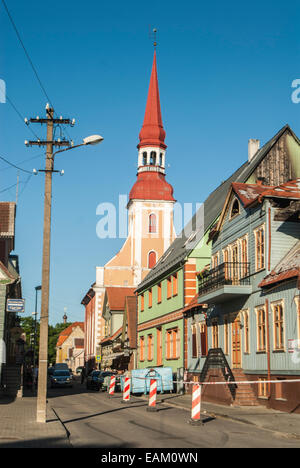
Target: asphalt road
<point x="94" y="420"/>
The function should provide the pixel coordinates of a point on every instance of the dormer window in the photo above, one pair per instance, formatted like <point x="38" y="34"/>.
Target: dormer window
<point x="235" y="209"/>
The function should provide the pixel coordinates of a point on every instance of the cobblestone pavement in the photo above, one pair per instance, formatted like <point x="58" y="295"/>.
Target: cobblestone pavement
<point x="19" y="428"/>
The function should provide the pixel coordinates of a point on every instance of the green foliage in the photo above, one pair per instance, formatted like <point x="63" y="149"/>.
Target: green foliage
<point x="27" y="323"/>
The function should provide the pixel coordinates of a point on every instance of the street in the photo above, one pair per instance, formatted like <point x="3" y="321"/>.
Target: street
<point x="94" y="420"/>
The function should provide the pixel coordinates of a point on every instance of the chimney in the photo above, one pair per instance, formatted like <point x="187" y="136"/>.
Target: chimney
<point x="253" y="147"/>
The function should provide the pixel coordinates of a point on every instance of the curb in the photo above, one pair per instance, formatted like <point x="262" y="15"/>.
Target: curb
<point x="290" y="435"/>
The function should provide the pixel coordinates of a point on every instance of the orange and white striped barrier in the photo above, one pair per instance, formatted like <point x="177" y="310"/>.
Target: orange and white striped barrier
<point x="152" y="395"/>
<point x="196" y="405"/>
<point x="126" y="391"/>
<point x="112" y="385"/>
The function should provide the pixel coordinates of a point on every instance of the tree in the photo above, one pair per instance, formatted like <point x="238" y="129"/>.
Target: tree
<point x="27" y="324"/>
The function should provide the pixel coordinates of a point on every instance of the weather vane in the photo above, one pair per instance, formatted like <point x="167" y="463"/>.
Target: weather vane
<point x="152" y="35"/>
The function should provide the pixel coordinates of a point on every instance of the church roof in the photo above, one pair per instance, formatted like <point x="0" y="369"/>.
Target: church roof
<point x="152" y="132"/>
<point x="151" y="186"/>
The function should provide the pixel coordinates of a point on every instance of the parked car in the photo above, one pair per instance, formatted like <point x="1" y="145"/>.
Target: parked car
<point x="99" y="380"/>
<point x="106" y="381"/>
<point x="61" y="366"/>
<point x="50" y="370"/>
<point x="61" y="378"/>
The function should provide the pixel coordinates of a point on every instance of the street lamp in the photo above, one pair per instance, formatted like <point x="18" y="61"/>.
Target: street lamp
<point x="44" y="319"/>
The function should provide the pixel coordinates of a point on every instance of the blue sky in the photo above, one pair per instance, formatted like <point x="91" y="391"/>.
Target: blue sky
<point x="225" y="71"/>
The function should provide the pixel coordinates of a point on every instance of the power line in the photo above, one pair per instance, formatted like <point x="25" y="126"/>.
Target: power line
<point x="26" y="53"/>
<point x="20" y="115"/>
<point x="13" y="165"/>
<point x="23" y="161"/>
<point x="30" y="62"/>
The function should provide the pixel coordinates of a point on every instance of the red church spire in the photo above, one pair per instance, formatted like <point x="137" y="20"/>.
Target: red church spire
<point x="152" y="132"/>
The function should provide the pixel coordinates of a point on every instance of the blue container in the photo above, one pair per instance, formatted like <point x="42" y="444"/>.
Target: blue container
<point x="140" y="379"/>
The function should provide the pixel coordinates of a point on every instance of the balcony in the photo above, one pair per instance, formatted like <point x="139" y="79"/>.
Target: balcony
<point x="227" y="281"/>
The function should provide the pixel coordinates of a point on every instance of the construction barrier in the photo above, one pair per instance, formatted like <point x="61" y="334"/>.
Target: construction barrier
<point x="112" y="385"/>
<point x="126" y="391"/>
<point x="196" y="405"/>
<point x="152" y="395"/>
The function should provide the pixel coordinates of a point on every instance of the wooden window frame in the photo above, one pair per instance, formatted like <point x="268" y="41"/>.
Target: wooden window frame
<point x="260" y="327"/>
<point x="172" y="343"/>
<point x="215" y="333"/>
<point x="159" y="293"/>
<point x="203" y="337"/>
<point x="232" y="216"/>
<point x="142" y="348"/>
<point x="175" y="284"/>
<point x="194" y="342"/>
<point x="150" y="298"/>
<point x="150" y="347"/>
<point x="260" y="248"/>
<point x="262" y="390"/>
<point x="278" y="346"/>
<point x="226" y="336"/>
<point x="246" y="316"/>
<point x="169" y="287"/>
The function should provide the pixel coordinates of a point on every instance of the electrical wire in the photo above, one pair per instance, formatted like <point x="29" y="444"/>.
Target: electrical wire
<point x="31" y="64"/>
<point x="21" y="117"/>
<point x="23" y="161"/>
<point x="26" y="53"/>
<point x="17" y="167"/>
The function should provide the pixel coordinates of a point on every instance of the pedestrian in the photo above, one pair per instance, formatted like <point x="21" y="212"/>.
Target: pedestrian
<point x="82" y="375"/>
<point x="36" y="375"/>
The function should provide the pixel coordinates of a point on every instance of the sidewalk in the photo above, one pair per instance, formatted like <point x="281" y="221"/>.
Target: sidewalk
<point x="19" y="429"/>
<point x="285" y="424"/>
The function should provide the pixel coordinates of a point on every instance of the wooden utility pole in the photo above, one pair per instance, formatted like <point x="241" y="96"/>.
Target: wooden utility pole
<point x="43" y="350"/>
<point x="44" y="318"/>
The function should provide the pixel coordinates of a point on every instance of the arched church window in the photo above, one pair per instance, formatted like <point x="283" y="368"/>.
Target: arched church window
<point x="152" y="158"/>
<point x="151" y="259"/>
<point x="160" y="159"/>
<point x="144" y="158"/>
<point x="152" y="223"/>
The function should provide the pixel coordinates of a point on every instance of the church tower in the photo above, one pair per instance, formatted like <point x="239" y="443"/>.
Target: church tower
<point x="150" y="217"/>
<point x="150" y="207"/>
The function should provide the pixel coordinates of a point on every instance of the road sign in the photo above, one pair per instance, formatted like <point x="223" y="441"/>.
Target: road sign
<point x="98" y="358"/>
<point x="15" y="305"/>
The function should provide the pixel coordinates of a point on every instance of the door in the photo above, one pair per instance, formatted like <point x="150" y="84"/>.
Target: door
<point x="236" y="344"/>
<point x="159" y="346"/>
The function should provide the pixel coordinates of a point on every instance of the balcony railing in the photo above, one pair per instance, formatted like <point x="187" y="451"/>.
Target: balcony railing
<point x="228" y="273"/>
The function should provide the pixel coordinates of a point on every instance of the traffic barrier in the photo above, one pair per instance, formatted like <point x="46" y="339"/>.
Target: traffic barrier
<point x="112" y="385"/>
<point x="152" y="395"/>
<point x="196" y="406"/>
<point x="126" y="391"/>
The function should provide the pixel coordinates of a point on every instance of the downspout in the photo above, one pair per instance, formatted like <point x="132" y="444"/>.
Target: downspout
<point x="269" y="241"/>
<point x="268" y="347"/>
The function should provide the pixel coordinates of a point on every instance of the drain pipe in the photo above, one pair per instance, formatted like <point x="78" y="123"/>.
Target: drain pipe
<point x="268" y="347"/>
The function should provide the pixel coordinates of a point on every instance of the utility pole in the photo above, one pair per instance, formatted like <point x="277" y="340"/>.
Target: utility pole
<point x="44" y="318"/>
<point x="50" y="121"/>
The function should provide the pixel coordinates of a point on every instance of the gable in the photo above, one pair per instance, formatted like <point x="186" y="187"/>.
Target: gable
<point x="279" y="161"/>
